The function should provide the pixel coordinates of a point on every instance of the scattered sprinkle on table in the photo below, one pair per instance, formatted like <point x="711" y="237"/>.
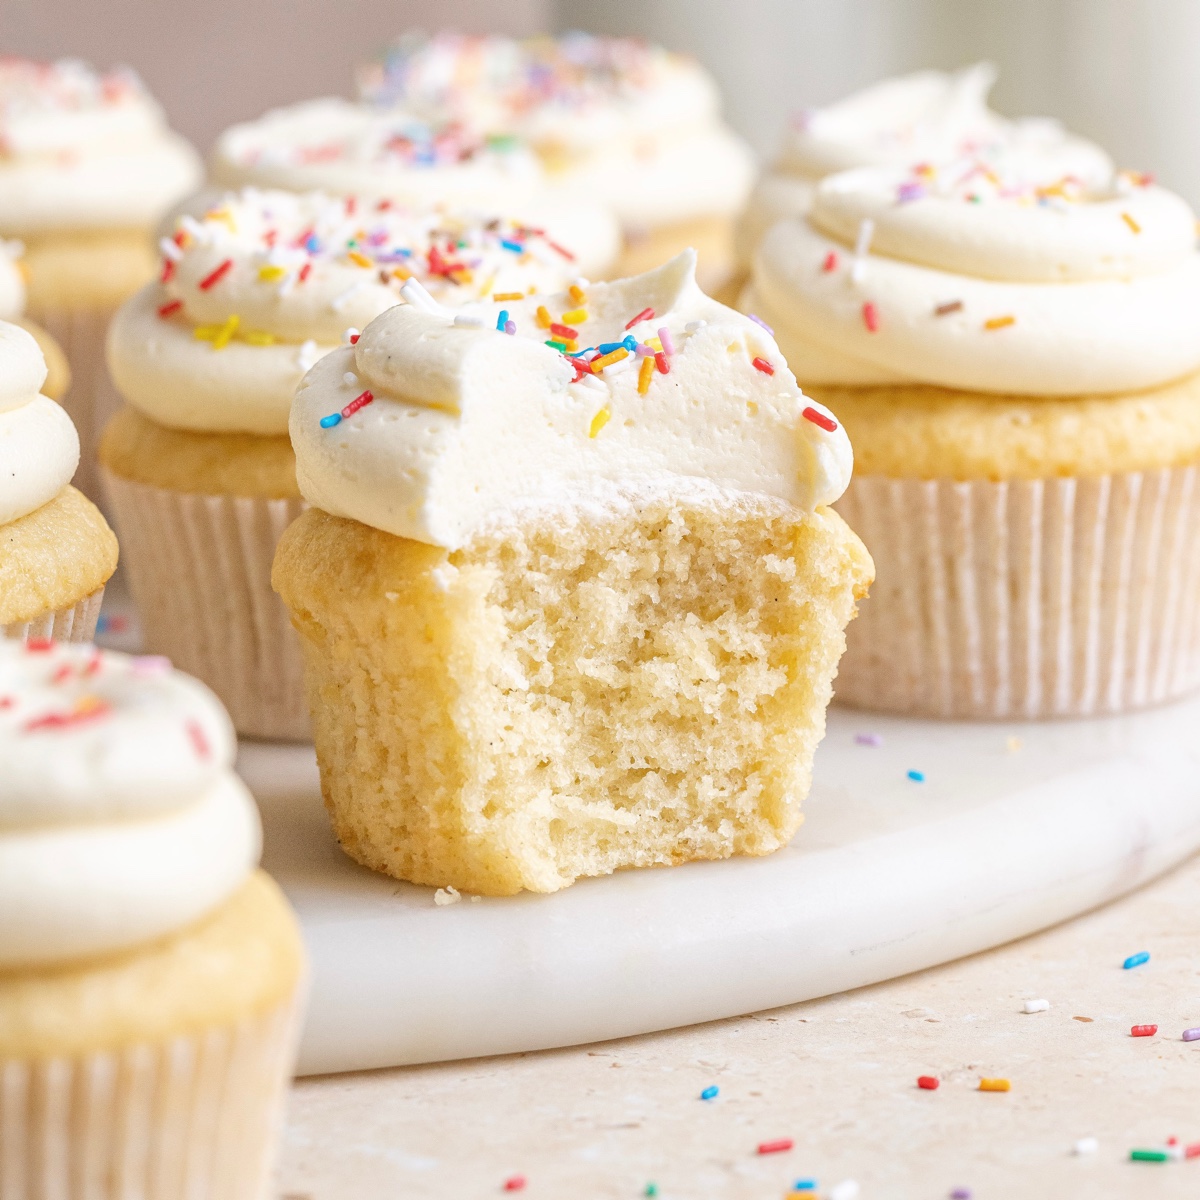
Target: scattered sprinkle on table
<point x="710" y="1092"/>
<point x="775" y="1147"/>
<point x="1087" y="1145"/>
<point x="848" y="1189"/>
<point x="1193" y="1034"/>
<point x="961" y="1193"/>
<point x="1036" y="1006"/>
<point x="917" y="776"/>
<point x="1143" y="1031"/>
<point x="994" y="1085"/>
<point x="928" y="1083"/>
<point x="1013" y="745"/>
<point x="651" y="1189"/>
<point x="1148" y="1156"/>
<point x="868" y="739"/>
<point x="804" y="1185"/>
<point x="1136" y="960"/>
<point x="514" y="1183"/>
<point x="1086" y="1020"/>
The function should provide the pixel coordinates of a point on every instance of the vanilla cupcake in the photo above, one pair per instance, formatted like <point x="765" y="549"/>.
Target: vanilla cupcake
<point x="1016" y="363"/>
<point x="149" y="975"/>
<point x="566" y="612"/>
<point x="87" y="169"/>
<point x="614" y="119"/>
<point x="928" y="116"/>
<point x="56" y="552"/>
<point x="12" y="308"/>
<point x="372" y="155"/>
<point x="198" y="466"/>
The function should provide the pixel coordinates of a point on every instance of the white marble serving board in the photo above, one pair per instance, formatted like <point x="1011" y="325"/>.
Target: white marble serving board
<point x="886" y="876"/>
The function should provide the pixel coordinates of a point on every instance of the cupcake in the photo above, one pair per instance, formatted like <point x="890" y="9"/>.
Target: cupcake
<point x="12" y="308"/>
<point x="198" y="467"/>
<point x="614" y="119"/>
<point x="149" y="975"/>
<point x="565" y="612"/>
<point x="87" y="169"/>
<point x="56" y="552"/>
<point x="374" y="154"/>
<point x="929" y="116"/>
<point x="1015" y="360"/>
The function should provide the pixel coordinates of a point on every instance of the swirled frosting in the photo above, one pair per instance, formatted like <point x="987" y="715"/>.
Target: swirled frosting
<point x="84" y="150"/>
<point x="983" y="276"/>
<point x="437" y="421"/>
<point x="39" y="447"/>
<point x="266" y="282"/>
<point x="928" y="116"/>
<point x="613" y="118"/>
<point x="121" y="819"/>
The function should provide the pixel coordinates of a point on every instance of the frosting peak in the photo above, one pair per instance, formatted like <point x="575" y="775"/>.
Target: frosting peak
<point x="436" y="421"/>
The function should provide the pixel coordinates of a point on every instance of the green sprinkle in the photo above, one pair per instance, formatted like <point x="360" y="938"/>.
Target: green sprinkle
<point x="651" y="1189"/>
<point x="561" y="347"/>
<point x="1149" y="1155"/>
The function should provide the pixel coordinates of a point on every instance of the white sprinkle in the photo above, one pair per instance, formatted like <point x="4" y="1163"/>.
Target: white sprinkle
<point x="846" y="1190"/>
<point x="340" y="301"/>
<point x="287" y="284"/>
<point x="467" y="321"/>
<point x="594" y="382"/>
<point x="350" y="379"/>
<point x="170" y="249"/>
<point x="476" y="899"/>
<point x="1032" y="1006"/>
<point x="446" y="895"/>
<point x="862" y="247"/>
<point x="190" y="225"/>
<point x="1087" y="1145"/>
<point x="415" y="292"/>
<point x="308" y="355"/>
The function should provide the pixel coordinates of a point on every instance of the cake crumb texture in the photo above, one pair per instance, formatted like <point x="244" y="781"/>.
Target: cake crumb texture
<point x="580" y="690"/>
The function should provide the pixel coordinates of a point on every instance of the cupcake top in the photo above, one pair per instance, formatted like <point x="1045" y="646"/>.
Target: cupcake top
<point x="266" y="282"/>
<point x="436" y="421"/>
<point x="613" y="118"/>
<point x="39" y="447"/>
<point x="121" y="819"/>
<point x="986" y="275"/>
<point x="82" y="150"/>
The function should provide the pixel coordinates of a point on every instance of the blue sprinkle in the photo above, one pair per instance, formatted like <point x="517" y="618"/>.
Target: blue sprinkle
<point x="630" y="343"/>
<point x="1136" y="960"/>
<point x="312" y="245"/>
<point x="330" y="421"/>
<point x="917" y="776"/>
<point x="502" y="320"/>
<point x="516" y="247"/>
<point x="609" y="347"/>
<point x="804" y="1185"/>
<point x="710" y="1092"/>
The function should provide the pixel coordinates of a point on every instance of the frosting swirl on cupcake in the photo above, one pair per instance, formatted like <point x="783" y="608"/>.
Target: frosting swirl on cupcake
<point x="84" y="150"/>
<point x="985" y="275"/>
<point x="121" y="819"/>
<point x="39" y="447"/>
<point x="267" y="282"/>
<point x="436" y="421"/>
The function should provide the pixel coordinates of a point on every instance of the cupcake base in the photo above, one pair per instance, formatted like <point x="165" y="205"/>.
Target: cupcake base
<point x="1026" y="599"/>
<point x="200" y="572"/>
<point x="76" y="623"/>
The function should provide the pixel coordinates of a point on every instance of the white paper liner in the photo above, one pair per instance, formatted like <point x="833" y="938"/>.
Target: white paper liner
<point x="190" y="1119"/>
<point x="76" y="623"/>
<point x="91" y="399"/>
<point x="1030" y="598"/>
<point x="200" y="572"/>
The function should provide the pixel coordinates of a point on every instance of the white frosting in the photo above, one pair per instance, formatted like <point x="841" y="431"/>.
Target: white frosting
<point x="12" y="282"/>
<point x="302" y="271"/>
<point x="39" y="448"/>
<point x="983" y="280"/>
<point x="121" y="819"/>
<point x="929" y="116"/>
<point x="444" y="425"/>
<point x="83" y="150"/>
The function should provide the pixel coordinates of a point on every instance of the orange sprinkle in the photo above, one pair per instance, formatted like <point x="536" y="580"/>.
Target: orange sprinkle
<point x="1000" y="322"/>
<point x="645" y="374"/>
<point x="1128" y="219"/>
<point x="359" y="259"/>
<point x="542" y="317"/>
<point x="508" y="296"/>
<point x="402" y="273"/>
<point x="577" y="294"/>
<point x="607" y="360"/>
<point x="994" y="1085"/>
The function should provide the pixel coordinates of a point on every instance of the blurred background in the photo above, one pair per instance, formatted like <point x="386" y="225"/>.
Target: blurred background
<point x="1124" y="72"/>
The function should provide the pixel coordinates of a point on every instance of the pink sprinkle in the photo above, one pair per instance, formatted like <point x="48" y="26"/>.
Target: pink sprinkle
<point x="664" y="337"/>
<point x="870" y="317"/>
<point x="514" y="1183"/>
<point x="151" y="664"/>
<point x="830" y="263"/>
<point x="198" y="740"/>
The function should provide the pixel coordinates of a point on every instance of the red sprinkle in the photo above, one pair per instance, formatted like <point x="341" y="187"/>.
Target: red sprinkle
<point x="776" y="1146"/>
<point x="216" y="276"/>
<point x="168" y="271"/>
<point x="870" y="317"/>
<point x="94" y="665"/>
<point x="1192" y="1151"/>
<point x="928" y="1082"/>
<point x="647" y="314"/>
<point x="351" y="205"/>
<point x="1143" y="1031"/>
<point x="662" y="363"/>
<point x="830" y="263"/>
<point x="565" y="331"/>
<point x="514" y="1183"/>
<point x="199" y="741"/>
<point x="761" y="364"/>
<point x="62" y="674"/>
<point x="6" y="702"/>
<point x="39" y="645"/>
<point x="561" y="250"/>
<point x="170" y="308"/>
<point x="354" y="338"/>
<point x="65" y="720"/>
<point x="359" y="401"/>
<point x="305" y="272"/>
<point x="820" y="420"/>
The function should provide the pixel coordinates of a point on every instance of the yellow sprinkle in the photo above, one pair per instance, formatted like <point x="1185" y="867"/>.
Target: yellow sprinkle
<point x="258" y="337"/>
<point x="402" y="273"/>
<point x="994" y="1085"/>
<point x="607" y="360"/>
<point x="542" y="316"/>
<point x="206" y="333"/>
<point x="359" y="259"/>
<point x="752" y="407"/>
<point x="508" y="295"/>
<point x="577" y="294"/>
<point x="999" y="322"/>
<point x="269" y="274"/>
<point x="575" y="317"/>
<point x="645" y="374"/>
<point x="572" y="345"/>
<point x="1128" y="219"/>
<point x="223" y="215"/>
<point x="226" y="332"/>
<point x="654" y="344"/>
<point x="1013" y="744"/>
<point x="599" y="421"/>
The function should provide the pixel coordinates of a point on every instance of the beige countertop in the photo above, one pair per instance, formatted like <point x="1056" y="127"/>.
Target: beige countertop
<point x="838" y="1076"/>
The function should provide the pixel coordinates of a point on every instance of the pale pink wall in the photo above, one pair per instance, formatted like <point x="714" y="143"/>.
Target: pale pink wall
<point x="218" y="61"/>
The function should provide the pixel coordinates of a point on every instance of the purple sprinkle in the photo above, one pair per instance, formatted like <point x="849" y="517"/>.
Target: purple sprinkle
<point x="907" y="192"/>
<point x="643" y="351"/>
<point x="760" y="321"/>
<point x="151" y="664"/>
<point x="1191" y="1035"/>
<point x="961" y="1193"/>
<point x="868" y="739"/>
<point x="510" y="327"/>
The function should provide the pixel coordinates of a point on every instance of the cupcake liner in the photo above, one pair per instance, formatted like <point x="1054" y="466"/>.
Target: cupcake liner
<point x="91" y="399"/>
<point x="195" y="1117"/>
<point x="200" y="572"/>
<point x="76" y="623"/>
<point x="1027" y="598"/>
